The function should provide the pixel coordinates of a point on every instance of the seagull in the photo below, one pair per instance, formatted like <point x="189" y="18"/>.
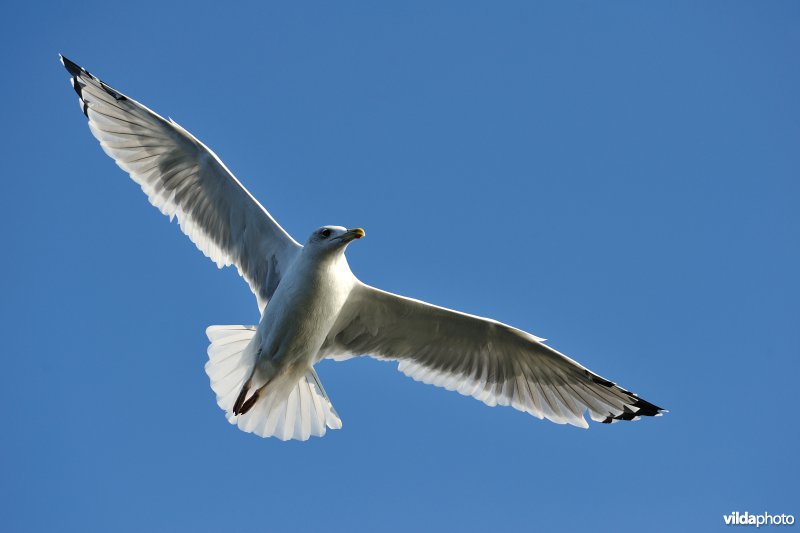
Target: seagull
<point x="313" y="307"/>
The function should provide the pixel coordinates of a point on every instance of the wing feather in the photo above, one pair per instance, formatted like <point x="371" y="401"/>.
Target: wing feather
<point x="490" y="361"/>
<point x="184" y="179"/>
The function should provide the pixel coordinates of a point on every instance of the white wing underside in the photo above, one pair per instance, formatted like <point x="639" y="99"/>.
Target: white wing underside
<point x="478" y="357"/>
<point x="184" y="179"/>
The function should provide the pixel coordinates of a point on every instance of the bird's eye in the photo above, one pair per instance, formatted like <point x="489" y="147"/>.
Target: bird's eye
<point x="325" y="233"/>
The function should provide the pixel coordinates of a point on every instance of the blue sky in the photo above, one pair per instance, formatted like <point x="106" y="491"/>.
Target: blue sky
<point x="619" y="177"/>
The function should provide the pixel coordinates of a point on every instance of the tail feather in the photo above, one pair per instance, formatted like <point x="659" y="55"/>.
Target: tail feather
<point x="285" y="409"/>
<point x="302" y="411"/>
<point x="229" y="361"/>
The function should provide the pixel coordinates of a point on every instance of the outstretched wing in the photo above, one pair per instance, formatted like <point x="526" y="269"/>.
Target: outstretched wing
<point x="185" y="180"/>
<point x="478" y="357"/>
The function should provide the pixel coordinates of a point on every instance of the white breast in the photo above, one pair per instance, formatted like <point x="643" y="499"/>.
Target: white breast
<point x="304" y="308"/>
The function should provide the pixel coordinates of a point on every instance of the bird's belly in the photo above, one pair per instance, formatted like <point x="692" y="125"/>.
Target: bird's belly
<point x="295" y="324"/>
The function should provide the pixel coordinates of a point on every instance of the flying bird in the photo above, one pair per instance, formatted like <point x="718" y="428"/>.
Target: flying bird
<point x="313" y="307"/>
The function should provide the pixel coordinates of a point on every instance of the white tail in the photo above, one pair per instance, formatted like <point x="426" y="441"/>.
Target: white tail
<point x="291" y="411"/>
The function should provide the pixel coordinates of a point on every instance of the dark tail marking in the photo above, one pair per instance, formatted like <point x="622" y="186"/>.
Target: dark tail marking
<point x="249" y="403"/>
<point x="240" y="399"/>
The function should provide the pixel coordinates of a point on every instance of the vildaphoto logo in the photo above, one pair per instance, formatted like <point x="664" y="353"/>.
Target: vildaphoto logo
<point x="746" y="519"/>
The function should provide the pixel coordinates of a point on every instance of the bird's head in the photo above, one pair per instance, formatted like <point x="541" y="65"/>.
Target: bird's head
<point x="333" y="238"/>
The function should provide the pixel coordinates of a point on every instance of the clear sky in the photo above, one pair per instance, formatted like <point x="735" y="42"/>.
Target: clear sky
<point x="619" y="177"/>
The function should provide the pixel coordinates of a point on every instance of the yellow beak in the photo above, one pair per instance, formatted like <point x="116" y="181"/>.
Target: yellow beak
<point x="353" y="234"/>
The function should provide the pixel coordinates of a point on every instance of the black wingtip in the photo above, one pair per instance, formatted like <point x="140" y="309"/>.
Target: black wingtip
<point x="76" y="71"/>
<point x="642" y="408"/>
<point x="600" y="381"/>
<point x="647" y="409"/>
<point x="113" y="92"/>
<point x="634" y="410"/>
<point x="71" y="66"/>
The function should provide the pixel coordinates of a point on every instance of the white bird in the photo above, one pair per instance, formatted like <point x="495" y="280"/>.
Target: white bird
<point x="313" y="307"/>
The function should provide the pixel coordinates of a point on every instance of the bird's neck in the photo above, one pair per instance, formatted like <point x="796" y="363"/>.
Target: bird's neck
<point x="331" y="268"/>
